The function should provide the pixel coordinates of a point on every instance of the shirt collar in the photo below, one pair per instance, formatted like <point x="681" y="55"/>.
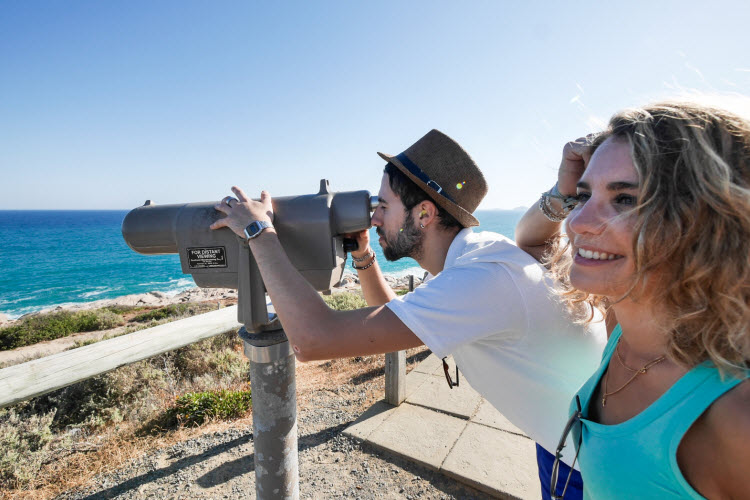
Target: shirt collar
<point x="457" y="247"/>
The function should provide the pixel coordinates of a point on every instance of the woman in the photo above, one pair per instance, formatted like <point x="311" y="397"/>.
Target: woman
<point x="659" y="238"/>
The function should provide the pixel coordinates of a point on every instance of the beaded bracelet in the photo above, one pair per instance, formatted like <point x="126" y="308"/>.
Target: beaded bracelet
<point x="364" y="257"/>
<point x="354" y="265"/>
<point x="545" y="205"/>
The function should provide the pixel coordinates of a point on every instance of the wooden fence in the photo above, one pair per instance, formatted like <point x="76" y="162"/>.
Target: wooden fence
<point x="43" y="375"/>
<point x="40" y="376"/>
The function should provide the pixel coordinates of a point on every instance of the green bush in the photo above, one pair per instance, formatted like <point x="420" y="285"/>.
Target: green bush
<point x="345" y="301"/>
<point x="52" y="326"/>
<point x="194" y="408"/>
<point x="89" y="321"/>
<point x="92" y="403"/>
<point x="118" y="309"/>
<point x="162" y="313"/>
<point x="174" y="311"/>
<point x="25" y="442"/>
<point x="218" y="356"/>
<point x="134" y="392"/>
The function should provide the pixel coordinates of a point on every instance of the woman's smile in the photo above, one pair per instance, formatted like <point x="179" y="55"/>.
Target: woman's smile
<point x="600" y="228"/>
<point x="584" y="255"/>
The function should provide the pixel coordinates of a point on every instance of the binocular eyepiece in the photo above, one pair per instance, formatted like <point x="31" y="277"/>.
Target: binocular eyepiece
<point x="311" y="229"/>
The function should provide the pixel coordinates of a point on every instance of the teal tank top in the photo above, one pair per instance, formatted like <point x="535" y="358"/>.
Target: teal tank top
<point x="638" y="458"/>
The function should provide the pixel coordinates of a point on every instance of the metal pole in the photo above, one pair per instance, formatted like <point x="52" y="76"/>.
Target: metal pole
<point x="274" y="392"/>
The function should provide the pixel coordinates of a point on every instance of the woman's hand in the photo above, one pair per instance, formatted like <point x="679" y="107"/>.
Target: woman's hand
<point x="242" y="211"/>
<point x="575" y="158"/>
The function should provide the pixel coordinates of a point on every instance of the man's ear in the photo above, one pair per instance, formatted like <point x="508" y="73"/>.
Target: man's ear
<point x="426" y="213"/>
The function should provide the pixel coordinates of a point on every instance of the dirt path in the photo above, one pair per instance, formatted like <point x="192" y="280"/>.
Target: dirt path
<point x="219" y="463"/>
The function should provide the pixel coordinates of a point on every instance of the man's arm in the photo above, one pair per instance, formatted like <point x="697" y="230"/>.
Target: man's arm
<point x="314" y="330"/>
<point x="374" y="287"/>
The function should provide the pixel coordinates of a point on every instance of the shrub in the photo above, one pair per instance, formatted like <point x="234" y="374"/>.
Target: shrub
<point x="218" y="355"/>
<point x="345" y="301"/>
<point x="174" y="311"/>
<point x="117" y="309"/>
<point x="26" y="444"/>
<point x="52" y="326"/>
<point x="89" y="321"/>
<point x="133" y="392"/>
<point x="162" y="313"/>
<point x="194" y="408"/>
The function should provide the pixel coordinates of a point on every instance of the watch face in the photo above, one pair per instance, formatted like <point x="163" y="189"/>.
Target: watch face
<point x="254" y="229"/>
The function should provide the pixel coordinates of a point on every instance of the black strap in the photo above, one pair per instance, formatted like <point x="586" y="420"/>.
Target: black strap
<point x="419" y="174"/>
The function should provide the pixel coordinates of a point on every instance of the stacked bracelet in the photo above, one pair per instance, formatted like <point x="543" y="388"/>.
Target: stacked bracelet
<point x="366" y="256"/>
<point x="370" y="254"/>
<point x="545" y="205"/>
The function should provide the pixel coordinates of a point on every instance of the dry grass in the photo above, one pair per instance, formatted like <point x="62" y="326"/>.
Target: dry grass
<point x="113" y="446"/>
<point x="105" y="422"/>
<point x="102" y="422"/>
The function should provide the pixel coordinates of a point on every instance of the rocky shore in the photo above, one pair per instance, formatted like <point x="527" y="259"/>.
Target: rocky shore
<point x="222" y="297"/>
<point x="349" y="283"/>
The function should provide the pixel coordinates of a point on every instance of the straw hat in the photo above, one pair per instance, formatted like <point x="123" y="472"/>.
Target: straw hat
<point x="446" y="172"/>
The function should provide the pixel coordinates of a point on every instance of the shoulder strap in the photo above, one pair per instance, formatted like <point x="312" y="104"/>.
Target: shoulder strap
<point x="699" y="388"/>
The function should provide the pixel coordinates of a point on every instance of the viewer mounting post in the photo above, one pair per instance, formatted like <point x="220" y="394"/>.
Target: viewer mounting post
<point x="311" y="229"/>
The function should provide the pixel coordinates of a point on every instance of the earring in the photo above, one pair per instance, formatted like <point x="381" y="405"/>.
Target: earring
<point x="421" y="225"/>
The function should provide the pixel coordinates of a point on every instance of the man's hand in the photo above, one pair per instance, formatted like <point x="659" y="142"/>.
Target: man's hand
<point x="363" y="243"/>
<point x="576" y="156"/>
<point x="242" y="211"/>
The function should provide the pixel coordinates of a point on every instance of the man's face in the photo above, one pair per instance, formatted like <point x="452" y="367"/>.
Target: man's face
<point x="399" y="234"/>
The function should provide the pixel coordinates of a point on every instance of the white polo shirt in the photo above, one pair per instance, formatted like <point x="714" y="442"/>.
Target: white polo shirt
<point x="492" y="308"/>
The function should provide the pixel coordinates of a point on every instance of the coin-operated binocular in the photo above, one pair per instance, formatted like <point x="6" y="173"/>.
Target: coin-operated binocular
<point x="311" y="229"/>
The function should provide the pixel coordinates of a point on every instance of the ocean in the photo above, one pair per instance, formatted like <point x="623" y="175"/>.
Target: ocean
<point x="51" y="258"/>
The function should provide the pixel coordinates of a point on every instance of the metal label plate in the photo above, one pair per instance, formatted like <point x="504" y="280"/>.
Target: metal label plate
<point x="207" y="257"/>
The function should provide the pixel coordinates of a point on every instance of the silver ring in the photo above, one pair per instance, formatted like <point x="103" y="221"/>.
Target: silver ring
<point x="228" y="199"/>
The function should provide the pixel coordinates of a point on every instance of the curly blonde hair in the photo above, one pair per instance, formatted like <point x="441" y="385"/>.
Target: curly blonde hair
<point x="692" y="227"/>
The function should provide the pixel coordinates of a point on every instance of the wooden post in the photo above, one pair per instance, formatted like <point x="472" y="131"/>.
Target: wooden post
<point x="395" y="371"/>
<point x="395" y="377"/>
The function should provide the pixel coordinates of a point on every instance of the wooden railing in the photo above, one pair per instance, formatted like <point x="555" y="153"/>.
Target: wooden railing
<point x="43" y="375"/>
<point x="40" y="376"/>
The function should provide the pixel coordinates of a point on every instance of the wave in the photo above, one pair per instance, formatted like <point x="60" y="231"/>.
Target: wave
<point x="179" y="285"/>
<point x="172" y="282"/>
<point x="14" y="301"/>
<point x="97" y="291"/>
<point x="17" y="313"/>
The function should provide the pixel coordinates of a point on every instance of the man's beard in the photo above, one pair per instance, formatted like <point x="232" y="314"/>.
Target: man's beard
<point x="408" y="241"/>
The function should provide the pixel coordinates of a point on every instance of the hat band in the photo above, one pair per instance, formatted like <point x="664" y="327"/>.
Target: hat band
<point x="419" y="174"/>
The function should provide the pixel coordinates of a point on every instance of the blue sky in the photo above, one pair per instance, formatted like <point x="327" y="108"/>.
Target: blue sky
<point x="107" y="104"/>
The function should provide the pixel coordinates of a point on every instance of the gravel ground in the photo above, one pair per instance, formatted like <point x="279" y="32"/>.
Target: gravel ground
<point x="220" y="464"/>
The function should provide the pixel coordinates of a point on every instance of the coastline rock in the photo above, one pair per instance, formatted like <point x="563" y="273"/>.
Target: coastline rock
<point x="349" y="283"/>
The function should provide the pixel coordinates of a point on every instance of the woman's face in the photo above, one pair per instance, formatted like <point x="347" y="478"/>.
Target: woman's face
<point x="600" y="228"/>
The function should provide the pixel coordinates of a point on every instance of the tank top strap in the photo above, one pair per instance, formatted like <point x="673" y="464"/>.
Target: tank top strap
<point x="691" y="396"/>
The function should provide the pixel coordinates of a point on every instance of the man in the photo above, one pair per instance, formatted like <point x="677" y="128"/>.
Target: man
<point x="488" y="304"/>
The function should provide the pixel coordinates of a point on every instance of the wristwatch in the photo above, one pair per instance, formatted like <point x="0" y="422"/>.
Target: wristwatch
<point x="254" y="229"/>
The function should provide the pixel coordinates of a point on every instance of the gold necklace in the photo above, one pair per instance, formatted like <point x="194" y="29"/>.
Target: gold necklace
<point x="619" y="358"/>
<point x="644" y="369"/>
